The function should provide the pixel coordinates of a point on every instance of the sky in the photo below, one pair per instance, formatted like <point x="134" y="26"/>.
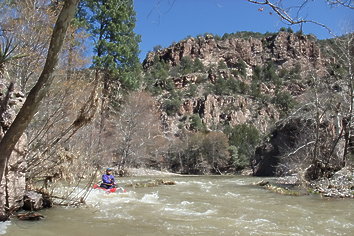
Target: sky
<point x="162" y="22"/>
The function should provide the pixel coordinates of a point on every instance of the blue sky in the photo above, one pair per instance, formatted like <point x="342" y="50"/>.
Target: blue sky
<point x="161" y="22"/>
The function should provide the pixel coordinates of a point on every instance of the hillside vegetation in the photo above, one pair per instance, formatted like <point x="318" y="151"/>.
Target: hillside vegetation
<point x="279" y="103"/>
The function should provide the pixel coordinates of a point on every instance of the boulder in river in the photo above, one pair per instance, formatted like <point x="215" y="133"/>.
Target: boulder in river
<point x="32" y="201"/>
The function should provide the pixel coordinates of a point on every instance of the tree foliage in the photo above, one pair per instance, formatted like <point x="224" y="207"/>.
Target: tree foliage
<point x="200" y="153"/>
<point x="243" y="139"/>
<point x="111" y="24"/>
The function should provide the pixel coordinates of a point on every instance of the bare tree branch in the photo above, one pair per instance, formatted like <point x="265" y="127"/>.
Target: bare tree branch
<point x="37" y="93"/>
<point x="287" y="17"/>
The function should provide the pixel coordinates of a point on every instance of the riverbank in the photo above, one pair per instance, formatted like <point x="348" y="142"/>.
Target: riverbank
<point x="340" y="185"/>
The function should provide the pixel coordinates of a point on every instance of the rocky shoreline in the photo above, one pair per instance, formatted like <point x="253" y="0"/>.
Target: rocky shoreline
<point x="340" y="185"/>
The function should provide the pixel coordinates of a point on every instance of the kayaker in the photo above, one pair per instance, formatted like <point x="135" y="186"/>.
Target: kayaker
<point x="108" y="181"/>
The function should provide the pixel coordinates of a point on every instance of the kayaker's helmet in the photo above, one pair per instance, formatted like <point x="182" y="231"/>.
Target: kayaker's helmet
<point x="109" y="169"/>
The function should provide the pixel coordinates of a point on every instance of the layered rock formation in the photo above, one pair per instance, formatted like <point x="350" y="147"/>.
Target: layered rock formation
<point x="285" y="49"/>
<point x="232" y="110"/>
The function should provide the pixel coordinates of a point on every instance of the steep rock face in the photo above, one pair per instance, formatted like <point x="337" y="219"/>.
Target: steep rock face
<point x="255" y="80"/>
<point x="12" y="187"/>
<point x="286" y="49"/>
<point x="233" y="110"/>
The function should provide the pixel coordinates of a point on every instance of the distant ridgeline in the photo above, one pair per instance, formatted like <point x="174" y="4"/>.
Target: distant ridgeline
<point x="248" y="86"/>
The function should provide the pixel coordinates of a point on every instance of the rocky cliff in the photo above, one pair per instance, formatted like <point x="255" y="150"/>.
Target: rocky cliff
<point x="285" y="49"/>
<point x="221" y="59"/>
<point x="246" y="78"/>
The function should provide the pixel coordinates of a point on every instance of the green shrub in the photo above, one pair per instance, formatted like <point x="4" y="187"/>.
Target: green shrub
<point x="292" y="74"/>
<point x="227" y="87"/>
<point x="241" y="67"/>
<point x="196" y="123"/>
<point x="246" y="35"/>
<point x="186" y="65"/>
<point x="284" y="101"/>
<point x="221" y="87"/>
<point x="226" y="36"/>
<point x="269" y="72"/>
<point x="257" y="73"/>
<point x="244" y="88"/>
<point x="244" y="138"/>
<point x="201" y="79"/>
<point x="222" y="65"/>
<point x="239" y="162"/>
<point x="191" y="91"/>
<point x="156" y="79"/>
<point x="255" y="89"/>
<point x="172" y="104"/>
<point x="198" y="66"/>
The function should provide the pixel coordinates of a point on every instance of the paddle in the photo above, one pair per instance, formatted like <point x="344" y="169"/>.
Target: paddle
<point x="123" y="190"/>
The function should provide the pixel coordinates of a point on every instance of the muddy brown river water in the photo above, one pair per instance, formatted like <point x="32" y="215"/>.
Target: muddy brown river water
<point x="200" y="205"/>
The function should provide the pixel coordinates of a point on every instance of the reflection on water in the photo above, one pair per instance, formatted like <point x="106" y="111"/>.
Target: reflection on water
<point x="194" y="206"/>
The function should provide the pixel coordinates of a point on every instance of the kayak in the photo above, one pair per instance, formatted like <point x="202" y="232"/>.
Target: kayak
<point x="109" y="190"/>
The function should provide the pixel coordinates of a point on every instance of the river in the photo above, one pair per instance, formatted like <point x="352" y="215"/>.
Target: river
<point x="200" y="205"/>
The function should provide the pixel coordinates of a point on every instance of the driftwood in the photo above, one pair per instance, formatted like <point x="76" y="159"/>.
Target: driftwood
<point x="31" y="216"/>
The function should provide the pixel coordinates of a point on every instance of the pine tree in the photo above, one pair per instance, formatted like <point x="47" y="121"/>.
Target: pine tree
<point x="111" y="23"/>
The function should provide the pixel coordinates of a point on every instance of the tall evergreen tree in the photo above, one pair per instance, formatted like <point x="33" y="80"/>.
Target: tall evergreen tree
<point x="111" y="23"/>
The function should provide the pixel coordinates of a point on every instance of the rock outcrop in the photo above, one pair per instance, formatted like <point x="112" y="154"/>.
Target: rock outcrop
<point x="220" y="110"/>
<point x="12" y="187"/>
<point x="285" y="49"/>
<point x="256" y="80"/>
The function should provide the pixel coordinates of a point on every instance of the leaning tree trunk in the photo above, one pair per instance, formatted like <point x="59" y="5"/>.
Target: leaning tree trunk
<point x="31" y="105"/>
